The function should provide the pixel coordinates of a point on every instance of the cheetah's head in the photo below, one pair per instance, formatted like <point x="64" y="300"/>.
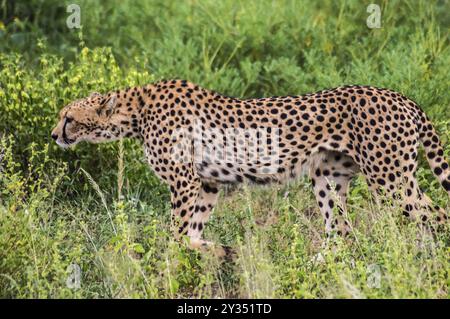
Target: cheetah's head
<point x="90" y="119"/>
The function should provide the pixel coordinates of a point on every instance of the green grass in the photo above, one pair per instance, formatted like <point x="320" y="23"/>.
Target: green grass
<point x="101" y="208"/>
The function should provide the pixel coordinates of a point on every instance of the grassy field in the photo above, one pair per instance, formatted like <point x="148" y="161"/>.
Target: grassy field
<point x="93" y="222"/>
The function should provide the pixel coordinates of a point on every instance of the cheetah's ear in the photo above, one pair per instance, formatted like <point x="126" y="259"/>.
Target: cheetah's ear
<point x="95" y="94"/>
<point x="107" y="106"/>
<point x="111" y="105"/>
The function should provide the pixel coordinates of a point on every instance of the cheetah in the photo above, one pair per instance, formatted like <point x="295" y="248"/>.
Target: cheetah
<point x="196" y="140"/>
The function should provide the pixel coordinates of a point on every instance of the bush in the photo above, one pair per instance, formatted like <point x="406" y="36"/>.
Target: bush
<point x="31" y="100"/>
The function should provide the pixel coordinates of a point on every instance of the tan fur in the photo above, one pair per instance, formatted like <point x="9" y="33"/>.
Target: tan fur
<point x="335" y="133"/>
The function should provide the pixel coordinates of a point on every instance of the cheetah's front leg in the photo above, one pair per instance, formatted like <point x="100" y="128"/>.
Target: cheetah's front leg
<point x="205" y="202"/>
<point x="192" y="203"/>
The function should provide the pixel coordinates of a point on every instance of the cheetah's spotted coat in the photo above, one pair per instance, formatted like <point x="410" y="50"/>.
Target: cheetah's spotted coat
<point x="335" y="133"/>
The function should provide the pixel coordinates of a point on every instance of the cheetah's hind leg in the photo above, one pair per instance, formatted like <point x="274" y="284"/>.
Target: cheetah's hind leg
<point x="331" y="173"/>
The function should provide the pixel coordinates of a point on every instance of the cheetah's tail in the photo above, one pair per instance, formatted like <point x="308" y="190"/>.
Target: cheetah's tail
<point x="434" y="151"/>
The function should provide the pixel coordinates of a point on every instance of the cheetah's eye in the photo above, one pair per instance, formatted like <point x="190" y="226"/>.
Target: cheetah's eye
<point x="69" y="119"/>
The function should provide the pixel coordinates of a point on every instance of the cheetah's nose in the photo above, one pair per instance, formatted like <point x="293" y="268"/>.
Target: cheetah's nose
<point x="54" y="136"/>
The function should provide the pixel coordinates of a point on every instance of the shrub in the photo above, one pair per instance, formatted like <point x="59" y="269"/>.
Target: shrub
<point x="32" y="98"/>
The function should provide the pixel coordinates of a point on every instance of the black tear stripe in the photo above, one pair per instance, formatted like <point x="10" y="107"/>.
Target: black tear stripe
<point x="64" y="135"/>
<point x="64" y="131"/>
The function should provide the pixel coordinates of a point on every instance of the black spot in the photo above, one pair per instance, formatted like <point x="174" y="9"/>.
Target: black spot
<point x="446" y="185"/>
<point x="391" y="177"/>
<point x="348" y="164"/>
<point x="336" y="137"/>
<point x="215" y="173"/>
<point x="362" y="102"/>
<point x="210" y="189"/>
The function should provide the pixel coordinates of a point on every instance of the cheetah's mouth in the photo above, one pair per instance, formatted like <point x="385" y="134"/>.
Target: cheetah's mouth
<point x="65" y="143"/>
<point x="69" y="141"/>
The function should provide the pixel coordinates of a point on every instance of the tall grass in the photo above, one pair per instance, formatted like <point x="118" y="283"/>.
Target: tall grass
<point x="126" y="251"/>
